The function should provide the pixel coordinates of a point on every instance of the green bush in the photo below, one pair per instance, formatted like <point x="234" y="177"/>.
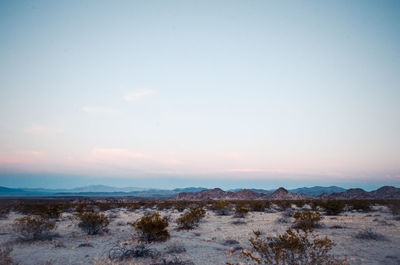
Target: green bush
<point x="33" y="227"/>
<point x="306" y="221"/>
<point x="291" y="248"/>
<point x="191" y="219"/>
<point x="93" y="223"/>
<point x="152" y="228"/>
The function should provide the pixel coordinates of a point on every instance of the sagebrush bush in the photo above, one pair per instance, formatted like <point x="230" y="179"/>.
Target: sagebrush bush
<point x="306" y="221"/>
<point x="93" y="223"/>
<point x="5" y="259"/>
<point x="43" y="209"/>
<point x="395" y="208"/>
<point x="191" y="219"/>
<point x="33" y="227"/>
<point x="333" y="207"/>
<point x="241" y="211"/>
<point x="369" y="234"/>
<point x="126" y="252"/>
<point x="221" y="207"/>
<point x="4" y="211"/>
<point x="283" y="204"/>
<point x="291" y="248"/>
<point x="152" y="228"/>
<point x="361" y="205"/>
<point x="259" y="206"/>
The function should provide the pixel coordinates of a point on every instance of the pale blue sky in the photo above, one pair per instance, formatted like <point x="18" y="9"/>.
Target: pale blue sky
<point x="303" y="90"/>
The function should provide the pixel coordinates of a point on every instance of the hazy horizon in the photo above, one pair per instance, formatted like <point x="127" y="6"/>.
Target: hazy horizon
<point x="296" y="93"/>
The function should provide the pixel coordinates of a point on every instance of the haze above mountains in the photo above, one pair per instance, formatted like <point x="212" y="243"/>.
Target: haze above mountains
<point x="199" y="193"/>
<point x="103" y="190"/>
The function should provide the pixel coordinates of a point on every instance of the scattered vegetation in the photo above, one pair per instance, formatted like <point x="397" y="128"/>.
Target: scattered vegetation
<point x="306" y="221"/>
<point x="395" y="208"/>
<point x="33" y="227"/>
<point x="191" y="219"/>
<point x="369" y="234"/>
<point x="5" y="259"/>
<point x="152" y="228"/>
<point x="221" y="207"/>
<point x="126" y="252"/>
<point x="291" y="248"/>
<point x="174" y="261"/>
<point x="4" y="211"/>
<point x="259" y="206"/>
<point x="93" y="223"/>
<point x="241" y="211"/>
<point x="333" y="207"/>
<point x="175" y="248"/>
<point x="361" y="205"/>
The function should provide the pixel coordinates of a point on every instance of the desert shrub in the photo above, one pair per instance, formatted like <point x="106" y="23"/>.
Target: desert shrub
<point x="292" y="248"/>
<point x="180" y="206"/>
<point x="191" y="219"/>
<point x="283" y="205"/>
<point x="5" y="259"/>
<point x="175" y="248"/>
<point x="93" y="223"/>
<point x="152" y="227"/>
<point x="306" y="221"/>
<point x="361" y="205"/>
<point x="174" y="261"/>
<point x="127" y="252"/>
<point x="133" y="206"/>
<point x="33" y="227"/>
<point x="241" y="211"/>
<point x="165" y="205"/>
<point x="369" y="234"/>
<point x="288" y="213"/>
<point x="300" y="203"/>
<point x="4" y="211"/>
<point x="221" y="207"/>
<point x="42" y="209"/>
<point x="259" y="206"/>
<point x="333" y="207"/>
<point x="395" y="209"/>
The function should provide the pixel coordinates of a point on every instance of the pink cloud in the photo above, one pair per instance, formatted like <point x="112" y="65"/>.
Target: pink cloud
<point x="21" y="157"/>
<point x="43" y="130"/>
<point x="116" y="154"/>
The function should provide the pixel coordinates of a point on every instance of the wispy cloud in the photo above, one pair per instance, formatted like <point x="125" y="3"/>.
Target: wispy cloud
<point x="21" y="157"/>
<point x="139" y="94"/>
<point x="234" y="155"/>
<point x="43" y="130"/>
<point x="100" y="110"/>
<point x="116" y="154"/>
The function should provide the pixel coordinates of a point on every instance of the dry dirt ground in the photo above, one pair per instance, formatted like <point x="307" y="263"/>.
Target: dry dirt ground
<point x="215" y="241"/>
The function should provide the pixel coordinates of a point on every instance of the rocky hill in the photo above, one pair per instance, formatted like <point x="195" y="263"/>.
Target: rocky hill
<point x="218" y="194"/>
<point x="383" y="193"/>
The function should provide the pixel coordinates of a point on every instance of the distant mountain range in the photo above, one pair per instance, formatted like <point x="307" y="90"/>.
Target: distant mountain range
<point x="95" y="191"/>
<point x="198" y="193"/>
<point x="244" y="194"/>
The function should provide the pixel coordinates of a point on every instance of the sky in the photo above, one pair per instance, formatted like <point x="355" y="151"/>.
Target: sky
<point x="199" y="93"/>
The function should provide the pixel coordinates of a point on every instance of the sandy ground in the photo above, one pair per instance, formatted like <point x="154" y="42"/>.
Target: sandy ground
<point x="210" y="243"/>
